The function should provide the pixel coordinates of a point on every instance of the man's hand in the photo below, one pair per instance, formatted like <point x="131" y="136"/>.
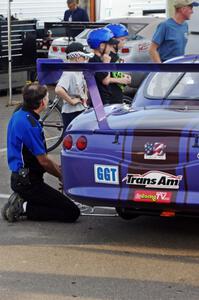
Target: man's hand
<point x="106" y="58"/>
<point x="75" y="101"/>
<point x="84" y="102"/>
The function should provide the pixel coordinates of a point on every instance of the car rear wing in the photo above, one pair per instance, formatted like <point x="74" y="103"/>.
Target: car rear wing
<point x="50" y="70"/>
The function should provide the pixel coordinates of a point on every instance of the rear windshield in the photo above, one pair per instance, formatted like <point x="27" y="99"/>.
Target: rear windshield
<point x="173" y="86"/>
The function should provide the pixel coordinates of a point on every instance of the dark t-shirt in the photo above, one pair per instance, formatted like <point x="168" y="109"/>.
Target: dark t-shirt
<point x="104" y="90"/>
<point x="115" y="87"/>
<point x="109" y="93"/>
<point x="77" y="15"/>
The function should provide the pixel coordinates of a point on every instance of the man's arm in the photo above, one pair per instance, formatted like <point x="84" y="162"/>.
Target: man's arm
<point x="124" y="80"/>
<point x="66" y="16"/>
<point x="155" y="57"/>
<point x="49" y="165"/>
<point x="85" y="17"/>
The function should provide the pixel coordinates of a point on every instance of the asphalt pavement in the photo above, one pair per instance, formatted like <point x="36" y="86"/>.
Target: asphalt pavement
<point x="97" y="258"/>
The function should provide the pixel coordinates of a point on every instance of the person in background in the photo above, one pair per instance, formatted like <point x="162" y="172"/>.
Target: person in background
<point x="71" y="87"/>
<point x="120" y="33"/>
<point x="102" y="40"/>
<point x="171" y="36"/>
<point x="74" y="13"/>
<point x="28" y="161"/>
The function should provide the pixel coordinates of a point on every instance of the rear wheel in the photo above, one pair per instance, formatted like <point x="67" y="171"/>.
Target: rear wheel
<point x="125" y="213"/>
<point x="53" y="126"/>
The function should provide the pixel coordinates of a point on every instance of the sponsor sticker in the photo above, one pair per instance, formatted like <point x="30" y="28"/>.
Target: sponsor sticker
<point x="155" y="151"/>
<point x="106" y="174"/>
<point x="143" y="47"/>
<point x="152" y="196"/>
<point x="154" y="179"/>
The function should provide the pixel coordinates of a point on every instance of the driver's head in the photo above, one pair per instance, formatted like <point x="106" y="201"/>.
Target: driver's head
<point x="101" y="39"/>
<point x="120" y="33"/>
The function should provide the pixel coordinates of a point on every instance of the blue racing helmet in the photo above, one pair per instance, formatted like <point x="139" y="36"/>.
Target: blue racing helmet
<point x="118" y="30"/>
<point x="100" y="35"/>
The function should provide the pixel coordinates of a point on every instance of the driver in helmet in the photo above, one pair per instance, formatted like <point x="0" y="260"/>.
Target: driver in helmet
<point x="102" y="40"/>
<point x="120" y="33"/>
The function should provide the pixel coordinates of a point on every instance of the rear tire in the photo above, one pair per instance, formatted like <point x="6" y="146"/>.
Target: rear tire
<point x="53" y="127"/>
<point x="125" y="213"/>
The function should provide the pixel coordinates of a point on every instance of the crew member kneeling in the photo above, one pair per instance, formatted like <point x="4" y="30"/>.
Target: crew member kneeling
<point x="28" y="161"/>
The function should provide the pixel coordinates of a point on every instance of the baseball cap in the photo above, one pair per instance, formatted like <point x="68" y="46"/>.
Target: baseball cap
<point x="182" y="3"/>
<point x="77" y="49"/>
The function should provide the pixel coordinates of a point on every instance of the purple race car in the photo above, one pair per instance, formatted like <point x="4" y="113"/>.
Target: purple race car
<point x="143" y="158"/>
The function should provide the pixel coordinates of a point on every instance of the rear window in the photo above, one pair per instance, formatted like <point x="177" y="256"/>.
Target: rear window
<point x="173" y="86"/>
<point x="160" y="84"/>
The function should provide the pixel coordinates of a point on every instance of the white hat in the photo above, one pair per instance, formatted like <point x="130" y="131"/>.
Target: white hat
<point x="182" y="3"/>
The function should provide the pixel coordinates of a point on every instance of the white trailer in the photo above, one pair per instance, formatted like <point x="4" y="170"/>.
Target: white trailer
<point x="42" y="10"/>
<point x="51" y="10"/>
<point x="193" y="40"/>
<point x="117" y="8"/>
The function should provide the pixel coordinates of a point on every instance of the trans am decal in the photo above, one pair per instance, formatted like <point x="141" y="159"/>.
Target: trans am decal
<point x="106" y="174"/>
<point x="152" y="196"/>
<point x="154" y="151"/>
<point x="154" y="179"/>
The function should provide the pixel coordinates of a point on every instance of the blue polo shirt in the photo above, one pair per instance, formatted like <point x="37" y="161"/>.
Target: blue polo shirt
<point x="171" y="38"/>
<point x="25" y="141"/>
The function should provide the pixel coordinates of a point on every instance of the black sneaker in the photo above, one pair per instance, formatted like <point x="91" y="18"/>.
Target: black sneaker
<point x="13" y="209"/>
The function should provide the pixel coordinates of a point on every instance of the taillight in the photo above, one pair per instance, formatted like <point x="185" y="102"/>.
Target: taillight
<point x="125" y="50"/>
<point x="168" y="214"/>
<point x="63" y="49"/>
<point x="68" y="142"/>
<point x="55" y="49"/>
<point x="81" y="143"/>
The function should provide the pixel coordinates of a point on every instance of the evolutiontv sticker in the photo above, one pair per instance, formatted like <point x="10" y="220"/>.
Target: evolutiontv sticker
<point x="152" y="196"/>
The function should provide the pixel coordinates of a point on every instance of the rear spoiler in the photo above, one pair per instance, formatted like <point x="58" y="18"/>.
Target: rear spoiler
<point x="50" y="70"/>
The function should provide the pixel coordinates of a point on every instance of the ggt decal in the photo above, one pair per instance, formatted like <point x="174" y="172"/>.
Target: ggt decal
<point x="106" y="174"/>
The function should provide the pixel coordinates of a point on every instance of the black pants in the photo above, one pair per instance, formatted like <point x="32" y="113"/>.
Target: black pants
<point x="45" y="203"/>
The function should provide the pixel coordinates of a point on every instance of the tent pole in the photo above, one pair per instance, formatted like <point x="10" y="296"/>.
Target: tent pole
<point x="9" y="52"/>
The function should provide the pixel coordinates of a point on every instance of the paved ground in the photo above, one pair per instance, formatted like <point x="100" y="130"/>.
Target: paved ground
<point x="98" y="257"/>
